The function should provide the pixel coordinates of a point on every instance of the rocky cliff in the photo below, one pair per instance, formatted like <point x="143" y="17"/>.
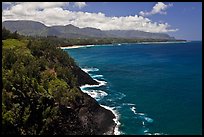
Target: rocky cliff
<point x="41" y="94"/>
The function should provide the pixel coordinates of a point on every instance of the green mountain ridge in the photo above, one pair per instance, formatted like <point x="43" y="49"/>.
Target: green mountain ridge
<point x="33" y="28"/>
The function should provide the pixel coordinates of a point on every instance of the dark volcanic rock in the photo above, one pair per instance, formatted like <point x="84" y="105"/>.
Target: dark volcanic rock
<point x="94" y="117"/>
<point x="84" y="78"/>
<point x="86" y="118"/>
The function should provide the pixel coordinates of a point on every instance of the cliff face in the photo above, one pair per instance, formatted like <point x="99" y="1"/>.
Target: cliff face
<point x="41" y="94"/>
<point x="83" y="78"/>
<point x="84" y="117"/>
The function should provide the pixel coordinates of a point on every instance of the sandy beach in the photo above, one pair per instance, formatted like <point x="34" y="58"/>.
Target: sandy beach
<point x="76" y="46"/>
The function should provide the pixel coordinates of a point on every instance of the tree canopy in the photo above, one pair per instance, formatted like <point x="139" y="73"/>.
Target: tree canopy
<point x="38" y="79"/>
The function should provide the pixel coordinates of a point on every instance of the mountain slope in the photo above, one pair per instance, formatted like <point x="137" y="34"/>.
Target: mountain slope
<point x="34" y="28"/>
<point x="138" y="34"/>
<point x="41" y="94"/>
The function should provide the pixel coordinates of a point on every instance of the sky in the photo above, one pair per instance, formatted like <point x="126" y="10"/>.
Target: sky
<point x="183" y="20"/>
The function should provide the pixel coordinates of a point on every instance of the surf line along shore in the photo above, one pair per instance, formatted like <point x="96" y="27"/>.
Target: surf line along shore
<point x="76" y="46"/>
<point x="119" y="44"/>
<point x="109" y="117"/>
<point x="114" y="129"/>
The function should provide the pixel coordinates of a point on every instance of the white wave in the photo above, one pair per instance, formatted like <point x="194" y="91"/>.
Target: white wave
<point x="129" y="104"/>
<point x="141" y="114"/>
<point x="149" y="120"/>
<point x="99" y="93"/>
<point x="77" y="46"/>
<point x="70" y="47"/>
<point x="90" y="45"/>
<point x="90" y="69"/>
<point x="116" y="119"/>
<point x="96" y="94"/>
<point x="143" y="123"/>
<point x="87" y="86"/>
<point x="147" y="130"/>
<point x="101" y="83"/>
<point x="96" y="76"/>
<point x="157" y="133"/>
<point x="147" y="133"/>
<point x="133" y="109"/>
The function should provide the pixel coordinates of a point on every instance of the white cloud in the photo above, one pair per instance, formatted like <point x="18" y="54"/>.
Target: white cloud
<point x="53" y="14"/>
<point x="80" y="4"/>
<point x="8" y="3"/>
<point x="158" y="8"/>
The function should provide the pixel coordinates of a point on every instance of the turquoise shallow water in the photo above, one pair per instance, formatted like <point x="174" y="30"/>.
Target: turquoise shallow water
<point x="154" y="88"/>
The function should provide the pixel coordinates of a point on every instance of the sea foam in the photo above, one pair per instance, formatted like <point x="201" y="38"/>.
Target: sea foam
<point x="129" y="104"/>
<point x="147" y="133"/>
<point x="101" y="83"/>
<point x="133" y="110"/>
<point x="87" y="70"/>
<point x="96" y="94"/>
<point x="116" y="119"/>
<point x="148" y="119"/>
<point x="143" y="117"/>
<point x="77" y="46"/>
<point x="96" y="76"/>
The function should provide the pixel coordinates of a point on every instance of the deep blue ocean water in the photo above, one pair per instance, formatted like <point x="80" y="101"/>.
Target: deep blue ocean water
<point x="154" y="88"/>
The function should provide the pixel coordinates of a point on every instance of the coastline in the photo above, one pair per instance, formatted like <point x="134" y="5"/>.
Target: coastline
<point x="76" y="46"/>
<point x="116" y="120"/>
<point x="113" y="127"/>
<point x="119" y="44"/>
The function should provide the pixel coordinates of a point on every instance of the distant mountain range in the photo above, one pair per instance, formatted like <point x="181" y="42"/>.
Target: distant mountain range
<point x="33" y="28"/>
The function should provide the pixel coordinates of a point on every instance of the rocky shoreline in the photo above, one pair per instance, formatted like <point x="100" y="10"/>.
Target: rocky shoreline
<point x="93" y="118"/>
<point x="99" y="118"/>
<point x="42" y="95"/>
<point x="91" y="112"/>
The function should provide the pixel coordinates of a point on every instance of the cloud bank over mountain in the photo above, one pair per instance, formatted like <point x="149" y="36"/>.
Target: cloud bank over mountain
<point x="58" y="13"/>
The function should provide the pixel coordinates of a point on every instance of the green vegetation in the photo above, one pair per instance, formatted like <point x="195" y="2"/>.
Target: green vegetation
<point x="64" y="42"/>
<point x="98" y="41"/>
<point x="12" y="43"/>
<point x="41" y="94"/>
<point x="6" y="34"/>
<point x="38" y="79"/>
<point x="33" y="28"/>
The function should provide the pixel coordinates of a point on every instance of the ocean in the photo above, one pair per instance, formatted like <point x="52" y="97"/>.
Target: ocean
<point x="152" y="88"/>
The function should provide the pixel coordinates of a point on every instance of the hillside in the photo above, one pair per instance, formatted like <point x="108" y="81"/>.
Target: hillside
<point x="33" y="28"/>
<point x="41" y="94"/>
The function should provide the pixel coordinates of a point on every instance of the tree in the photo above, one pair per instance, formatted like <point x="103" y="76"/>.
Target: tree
<point x="15" y="35"/>
<point x="29" y="44"/>
<point x="5" y="33"/>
